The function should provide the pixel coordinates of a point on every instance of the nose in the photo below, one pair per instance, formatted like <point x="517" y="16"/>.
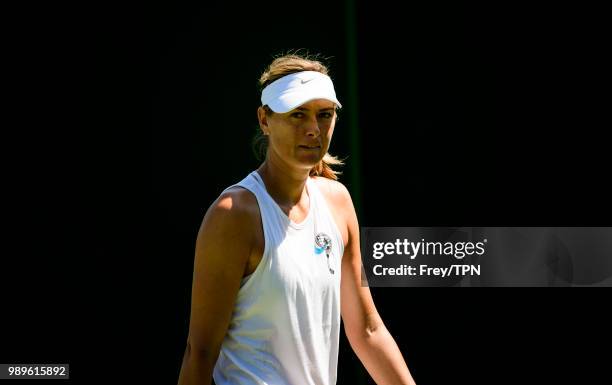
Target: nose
<point x="312" y="127"/>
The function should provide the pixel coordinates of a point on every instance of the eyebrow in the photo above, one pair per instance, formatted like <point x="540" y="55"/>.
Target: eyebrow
<point x="323" y="109"/>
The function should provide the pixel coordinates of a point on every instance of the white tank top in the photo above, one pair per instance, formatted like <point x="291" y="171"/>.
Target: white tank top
<point x="285" y="325"/>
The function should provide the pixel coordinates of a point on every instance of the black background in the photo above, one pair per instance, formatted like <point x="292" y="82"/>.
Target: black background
<point x="126" y="122"/>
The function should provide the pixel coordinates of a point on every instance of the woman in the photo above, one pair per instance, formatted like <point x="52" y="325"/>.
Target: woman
<point x="278" y="258"/>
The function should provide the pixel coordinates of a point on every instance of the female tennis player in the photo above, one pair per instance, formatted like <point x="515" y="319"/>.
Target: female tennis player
<point x="277" y="259"/>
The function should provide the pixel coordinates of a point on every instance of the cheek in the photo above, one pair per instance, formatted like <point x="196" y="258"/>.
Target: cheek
<point x="328" y="132"/>
<point x="284" y="140"/>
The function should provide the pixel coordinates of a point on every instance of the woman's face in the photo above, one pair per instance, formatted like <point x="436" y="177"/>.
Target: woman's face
<point x="301" y="136"/>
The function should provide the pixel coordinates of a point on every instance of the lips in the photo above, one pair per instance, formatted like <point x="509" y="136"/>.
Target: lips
<point x="310" y="147"/>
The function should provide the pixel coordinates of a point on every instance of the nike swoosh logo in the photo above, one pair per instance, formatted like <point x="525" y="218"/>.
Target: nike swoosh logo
<point x="305" y="81"/>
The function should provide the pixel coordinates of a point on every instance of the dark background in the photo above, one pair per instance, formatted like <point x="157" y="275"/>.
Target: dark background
<point x="126" y="122"/>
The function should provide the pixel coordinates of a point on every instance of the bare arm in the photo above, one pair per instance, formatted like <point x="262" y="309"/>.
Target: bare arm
<point x="222" y="249"/>
<point x="365" y="330"/>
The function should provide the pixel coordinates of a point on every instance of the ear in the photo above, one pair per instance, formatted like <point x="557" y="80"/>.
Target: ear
<point x="263" y="120"/>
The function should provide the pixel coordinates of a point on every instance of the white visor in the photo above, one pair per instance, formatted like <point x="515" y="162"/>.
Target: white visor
<point x="293" y="90"/>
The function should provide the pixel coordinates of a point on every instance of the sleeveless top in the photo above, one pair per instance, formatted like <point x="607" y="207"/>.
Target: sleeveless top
<point x="285" y="325"/>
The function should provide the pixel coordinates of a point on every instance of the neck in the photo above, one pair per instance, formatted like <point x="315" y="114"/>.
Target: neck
<point x="285" y="184"/>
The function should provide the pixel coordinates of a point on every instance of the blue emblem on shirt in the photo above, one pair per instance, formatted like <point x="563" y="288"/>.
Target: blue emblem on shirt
<point x="323" y="243"/>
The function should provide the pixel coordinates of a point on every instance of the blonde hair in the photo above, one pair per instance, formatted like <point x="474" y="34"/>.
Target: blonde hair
<point x="282" y="66"/>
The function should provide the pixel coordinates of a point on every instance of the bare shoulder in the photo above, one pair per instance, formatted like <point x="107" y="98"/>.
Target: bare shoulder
<point x="237" y="202"/>
<point x="231" y="217"/>
<point x="334" y="191"/>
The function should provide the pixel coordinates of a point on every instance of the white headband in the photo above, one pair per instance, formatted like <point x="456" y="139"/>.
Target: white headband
<point x="293" y="90"/>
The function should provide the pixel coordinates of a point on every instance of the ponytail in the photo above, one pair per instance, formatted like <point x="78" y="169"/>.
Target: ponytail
<point x="323" y="168"/>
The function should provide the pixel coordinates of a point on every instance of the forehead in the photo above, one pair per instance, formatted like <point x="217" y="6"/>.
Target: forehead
<point x="316" y="105"/>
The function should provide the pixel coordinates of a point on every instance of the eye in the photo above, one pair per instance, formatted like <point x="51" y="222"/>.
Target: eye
<point x="326" y="115"/>
<point x="297" y="115"/>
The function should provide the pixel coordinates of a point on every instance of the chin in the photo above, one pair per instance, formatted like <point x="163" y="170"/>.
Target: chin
<point x="309" y="162"/>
